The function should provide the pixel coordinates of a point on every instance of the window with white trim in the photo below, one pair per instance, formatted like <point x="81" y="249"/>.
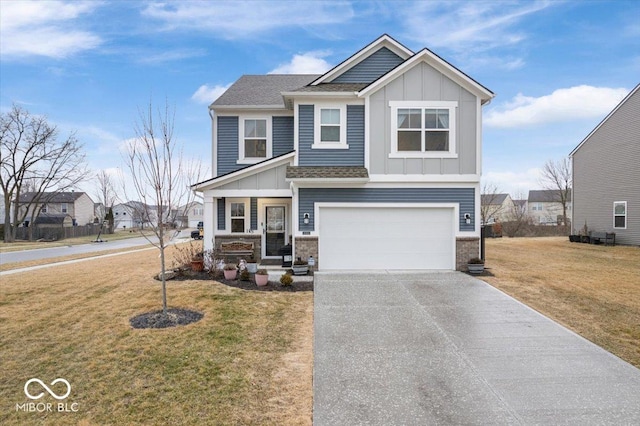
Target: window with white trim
<point x="237" y="217"/>
<point x="64" y="208"/>
<point x="423" y="129"/>
<point x="44" y="208"/>
<point x="330" y="127"/>
<point x="255" y="140"/>
<point x="620" y="214"/>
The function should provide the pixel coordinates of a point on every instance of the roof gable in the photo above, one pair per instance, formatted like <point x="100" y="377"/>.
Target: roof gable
<point x="546" y="196"/>
<point x="382" y="52"/>
<point x="435" y="61"/>
<point x="636" y="90"/>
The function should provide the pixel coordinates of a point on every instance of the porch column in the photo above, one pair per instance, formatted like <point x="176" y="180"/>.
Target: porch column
<point x="210" y="221"/>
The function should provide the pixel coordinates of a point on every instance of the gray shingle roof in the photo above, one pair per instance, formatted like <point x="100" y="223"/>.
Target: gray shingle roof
<point x="262" y="90"/>
<point x="492" y="199"/>
<point x="546" y="196"/>
<point x="50" y="197"/>
<point x="326" y="172"/>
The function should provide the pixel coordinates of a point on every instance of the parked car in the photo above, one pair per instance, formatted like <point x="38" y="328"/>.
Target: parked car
<point x="198" y="234"/>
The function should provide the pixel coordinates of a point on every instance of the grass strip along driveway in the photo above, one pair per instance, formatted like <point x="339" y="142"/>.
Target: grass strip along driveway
<point x="248" y="361"/>
<point x="593" y="290"/>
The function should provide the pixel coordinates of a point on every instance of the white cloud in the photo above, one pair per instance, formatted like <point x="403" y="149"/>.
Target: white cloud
<point x="574" y="103"/>
<point x="517" y="184"/>
<point x="307" y="63"/>
<point x="44" y="28"/>
<point x="245" y="19"/>
<point x="462" y="26"/>
<point x="207" y="94"/>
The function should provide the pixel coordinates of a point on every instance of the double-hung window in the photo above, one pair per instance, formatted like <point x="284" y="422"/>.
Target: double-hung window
<point x="255" y="141"/>
<point x="423" y="129"/>
<point x="64" y="208"/>
<point x="620" y="214"/>
<point x="330" y="127"/>
<point x="237" y="217"/>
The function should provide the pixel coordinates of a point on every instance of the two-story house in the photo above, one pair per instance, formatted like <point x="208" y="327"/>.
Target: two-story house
<point x="375" y="164"/>
<point x="545" y="208"/>
<point x="78" y="206"/>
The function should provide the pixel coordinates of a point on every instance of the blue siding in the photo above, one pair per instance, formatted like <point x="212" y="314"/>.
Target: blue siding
<point x="282" y="135"/>
<point x="371" y="68"/>
<point x="354" y="156"/>
<point x="465" y="197"/>
<point x="221" y="215"/>
<point x="254" y="213"/>
<point x="227" y="145"/>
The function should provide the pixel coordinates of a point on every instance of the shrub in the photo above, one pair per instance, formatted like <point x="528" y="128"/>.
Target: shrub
<point x="230" y="266"/>
<point x="244" y="275"/>
<point x="262" y="272"/>
<point x="286" y="280"/>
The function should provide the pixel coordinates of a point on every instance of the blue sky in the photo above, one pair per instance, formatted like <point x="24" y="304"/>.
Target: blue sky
<point x="557" y="67"/>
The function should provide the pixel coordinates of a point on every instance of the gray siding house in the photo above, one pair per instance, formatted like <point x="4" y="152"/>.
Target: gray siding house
<point x="606" y="174"/>
<point x="375" y="164"/>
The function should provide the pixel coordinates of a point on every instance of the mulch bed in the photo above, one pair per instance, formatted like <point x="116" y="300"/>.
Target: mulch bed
<point x="157" y="319"/>
<point x="273" y="285"/>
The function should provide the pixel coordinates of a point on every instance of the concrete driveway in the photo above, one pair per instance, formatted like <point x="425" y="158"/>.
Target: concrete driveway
<point x="445" y="348"/>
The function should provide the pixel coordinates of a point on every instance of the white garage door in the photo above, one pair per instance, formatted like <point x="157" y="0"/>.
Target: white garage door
<point x="386" y="238"/>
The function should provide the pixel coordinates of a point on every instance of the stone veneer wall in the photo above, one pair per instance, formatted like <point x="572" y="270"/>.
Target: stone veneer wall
<point x="466" y="248"/>
<point x="256" y="239"/>
<point x="305" y="247"/>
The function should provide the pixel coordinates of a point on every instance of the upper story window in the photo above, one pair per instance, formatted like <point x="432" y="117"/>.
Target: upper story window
<point x="423" y="129"/>
<point x="620" y="214"/>
<point x="255" y="141"/>
<point x="330" y="127"/>
<point x="64" y="207"/>
<point x="44" y="208"/>
<point x="536" y="207"/>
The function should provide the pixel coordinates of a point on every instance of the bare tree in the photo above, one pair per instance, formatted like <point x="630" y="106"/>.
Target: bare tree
<point x="556" y="176"/>
<point x="105" y="192"/>
<point x="159" y="175"/>
<point x="32" y="157"/>
<point x="519" y="218"/>
<point x="489" y="208"/>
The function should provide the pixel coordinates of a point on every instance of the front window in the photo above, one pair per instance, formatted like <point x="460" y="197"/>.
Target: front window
<point x="255" y="138"/>
<point x="620" y="214"/>
<point x="423" y="129"/>
<point x="330" y="127"/>
<point x="44" y="208"/>
<point x="537" y="207"/>
<point x="237" y="217"/>
<point x="64" y="207"/>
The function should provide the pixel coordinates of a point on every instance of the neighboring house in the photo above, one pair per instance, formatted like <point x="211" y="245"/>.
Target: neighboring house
<point x="78" y="205"/>
<point x="189" y="215"/>
<point x="606" y="174"/>
<point x="496" y="208"/>
<point x="133" y="214"/>
<point x="545" y="208"/>
<point x="375" y="164"/>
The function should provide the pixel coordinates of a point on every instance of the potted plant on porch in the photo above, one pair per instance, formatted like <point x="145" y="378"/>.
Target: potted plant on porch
<point x="252" y="265"/>
<point x="262" y="277"/>
<point x="230" y="271"/>
<point x="475" y="265"/>
<point x="300" y="267"/>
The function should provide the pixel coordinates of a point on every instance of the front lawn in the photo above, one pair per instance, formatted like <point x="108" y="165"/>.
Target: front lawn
<point x="593" y="290"/>
<point x="248" y="361"/>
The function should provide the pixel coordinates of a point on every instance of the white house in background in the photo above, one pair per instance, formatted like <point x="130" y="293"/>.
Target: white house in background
<point x="545" y="208"/>
<point x="375" y="164"/>
<point x="189" y="215"/>
<point x="497" y="208"/>
<point x="132" y="214"/>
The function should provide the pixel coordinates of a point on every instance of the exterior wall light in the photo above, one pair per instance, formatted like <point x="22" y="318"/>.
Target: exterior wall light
<point x="467" y="218"/>
<point x="306" y="219"/>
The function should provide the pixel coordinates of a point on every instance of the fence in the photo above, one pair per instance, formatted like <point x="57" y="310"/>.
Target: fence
<point x="58" y="232"/>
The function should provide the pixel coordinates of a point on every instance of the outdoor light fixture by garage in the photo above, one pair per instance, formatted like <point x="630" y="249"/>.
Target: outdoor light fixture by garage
<point x="306" y="218"/>
<point x="467" y="218"/>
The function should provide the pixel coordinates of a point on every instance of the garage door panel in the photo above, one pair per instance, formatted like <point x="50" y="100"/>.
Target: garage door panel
<point x="386" y="238"/>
